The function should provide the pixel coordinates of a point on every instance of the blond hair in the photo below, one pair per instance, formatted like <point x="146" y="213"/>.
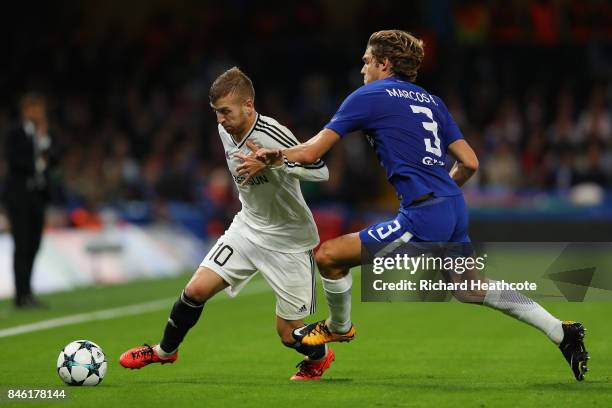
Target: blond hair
<point x="232" y="81"/>
<point x="404" y="51"/>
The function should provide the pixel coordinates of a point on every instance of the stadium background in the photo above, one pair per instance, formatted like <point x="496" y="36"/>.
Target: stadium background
<point x="528" y="81"/>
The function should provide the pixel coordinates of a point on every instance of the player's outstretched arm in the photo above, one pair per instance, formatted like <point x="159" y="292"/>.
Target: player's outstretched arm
<point x="251" y="167"/>
<point x="467" y="162"/>
<point x="316" y="171"/>
<point x="304" y="153"/>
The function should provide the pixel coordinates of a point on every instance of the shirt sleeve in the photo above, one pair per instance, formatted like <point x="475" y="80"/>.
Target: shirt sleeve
<point x="281" y="137"/>
<point x="316" y="171"/>
<point x="352" y="115"/>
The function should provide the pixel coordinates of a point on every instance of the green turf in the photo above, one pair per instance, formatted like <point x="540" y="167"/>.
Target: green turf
<point x="405" y="355"/>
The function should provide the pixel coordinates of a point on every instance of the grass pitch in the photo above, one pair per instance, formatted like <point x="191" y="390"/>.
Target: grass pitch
<point x="405" y="355"/>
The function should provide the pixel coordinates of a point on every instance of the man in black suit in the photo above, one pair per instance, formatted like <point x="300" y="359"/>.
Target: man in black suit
<point x="27" y="190"/>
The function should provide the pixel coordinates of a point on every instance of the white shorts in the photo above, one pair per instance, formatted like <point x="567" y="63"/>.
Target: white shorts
<point x="291" y="276"/>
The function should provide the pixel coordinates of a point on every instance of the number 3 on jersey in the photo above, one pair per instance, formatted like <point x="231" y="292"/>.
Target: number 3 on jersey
<point x="391" y="228"/>
<point x="431" y="127"/>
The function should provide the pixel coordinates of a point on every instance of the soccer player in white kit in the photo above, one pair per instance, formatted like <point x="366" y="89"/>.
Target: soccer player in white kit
<point x="274" y="233"/>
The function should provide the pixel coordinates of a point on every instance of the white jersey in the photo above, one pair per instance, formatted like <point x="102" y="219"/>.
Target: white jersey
<point x="274" y="214"/>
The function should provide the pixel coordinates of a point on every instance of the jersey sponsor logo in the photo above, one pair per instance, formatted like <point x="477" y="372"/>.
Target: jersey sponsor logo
<point x="255" y="181"/>
<point x="412" y="95"/>
<point x="430" y="161"/>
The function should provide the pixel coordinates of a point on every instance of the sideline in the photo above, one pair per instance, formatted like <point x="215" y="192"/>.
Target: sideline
<point x="140" y="308"/>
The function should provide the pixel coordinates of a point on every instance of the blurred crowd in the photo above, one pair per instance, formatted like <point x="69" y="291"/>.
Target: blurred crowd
<point x="529" y="83"/>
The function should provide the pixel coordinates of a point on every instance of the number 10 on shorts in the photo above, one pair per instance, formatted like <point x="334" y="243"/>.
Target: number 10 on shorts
<point x="221" y="254"/>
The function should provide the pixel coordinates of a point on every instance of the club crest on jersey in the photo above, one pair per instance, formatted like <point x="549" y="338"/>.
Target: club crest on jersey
<point x="227" y="155"/>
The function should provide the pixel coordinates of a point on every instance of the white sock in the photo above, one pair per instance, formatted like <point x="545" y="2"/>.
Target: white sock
<point x="338" y="295"/>
<point x="526" y="310"/>
<point x="161" y="353"/>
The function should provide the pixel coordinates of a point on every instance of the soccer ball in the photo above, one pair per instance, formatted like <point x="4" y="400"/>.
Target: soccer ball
<point x="81" y="362"/>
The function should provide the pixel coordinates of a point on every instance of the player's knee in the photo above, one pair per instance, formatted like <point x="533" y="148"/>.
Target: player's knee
<point x="326" y="260"/>
<point x="197" y="291"/>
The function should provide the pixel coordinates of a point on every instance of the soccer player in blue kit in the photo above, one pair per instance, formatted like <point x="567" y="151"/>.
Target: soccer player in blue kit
<point x="411" y="132"/>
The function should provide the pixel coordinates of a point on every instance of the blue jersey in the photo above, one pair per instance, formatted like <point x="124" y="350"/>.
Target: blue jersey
<point x="410" y="131"/>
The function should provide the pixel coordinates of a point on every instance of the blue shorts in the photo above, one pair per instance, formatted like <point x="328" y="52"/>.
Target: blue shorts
<point x="439" y="219"/>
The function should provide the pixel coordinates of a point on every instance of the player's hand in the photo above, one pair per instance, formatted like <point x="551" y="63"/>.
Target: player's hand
<point x="250" y="166"/>
<point x="272" y="157"/>
<point x="254" y="147"/>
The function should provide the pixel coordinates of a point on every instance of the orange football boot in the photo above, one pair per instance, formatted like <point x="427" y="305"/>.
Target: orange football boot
<point x="141" y="356"/>
<point x="314" y="369"/>
<point x="318" y="333"/>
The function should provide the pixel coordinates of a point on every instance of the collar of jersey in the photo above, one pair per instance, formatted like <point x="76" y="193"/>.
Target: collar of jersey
<point x="395" y="79"/>
<point x="244" y="139"/>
